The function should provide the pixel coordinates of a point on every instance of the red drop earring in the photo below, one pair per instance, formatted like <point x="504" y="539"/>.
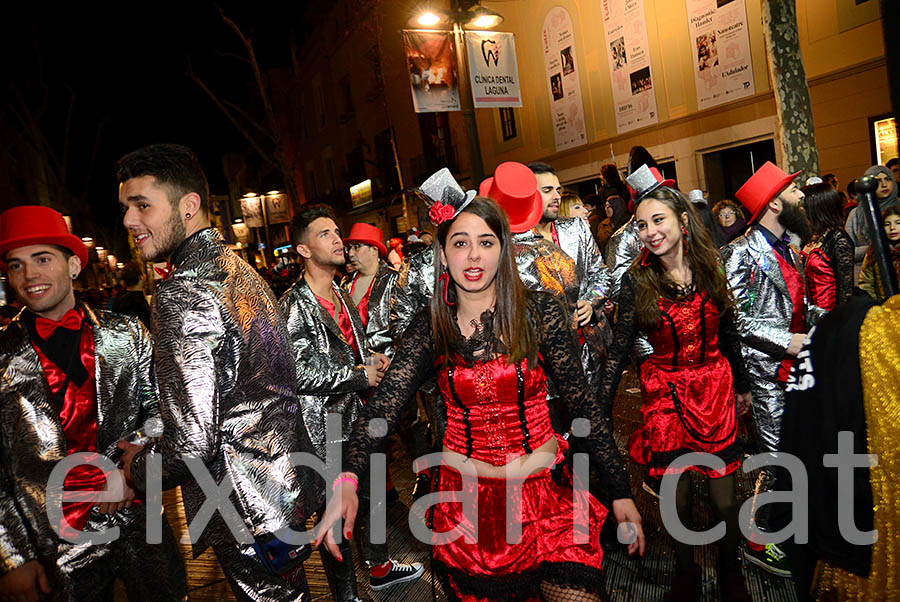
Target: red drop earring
<point x="445" y="286"/>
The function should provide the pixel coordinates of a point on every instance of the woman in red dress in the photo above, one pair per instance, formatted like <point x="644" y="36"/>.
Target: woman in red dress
<point x="492" y="345"/>
<point x="676" y="295"/>
<point x="829" y="255"/>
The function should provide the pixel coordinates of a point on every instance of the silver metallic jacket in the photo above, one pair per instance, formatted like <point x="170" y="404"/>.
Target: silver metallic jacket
<point x="378" y="336"/>
<point x="542" y="266"/>
<point x="31" y="435"/>
<point x="227" y="392"/>
<point x="763" y="319"/>
<point x="330" y="375"/>
<point x="576" y="241"/>
<point x="622" y="249"/>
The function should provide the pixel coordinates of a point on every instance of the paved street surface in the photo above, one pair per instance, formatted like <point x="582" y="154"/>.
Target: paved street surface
<point x="628" y="580"/>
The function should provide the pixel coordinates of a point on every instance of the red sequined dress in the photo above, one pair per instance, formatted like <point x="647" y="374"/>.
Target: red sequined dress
<point x="497" y="412"/>
<point x="687" y="384"/>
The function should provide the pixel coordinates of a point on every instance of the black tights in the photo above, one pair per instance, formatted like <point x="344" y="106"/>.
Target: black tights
<point x="724" y="503"/>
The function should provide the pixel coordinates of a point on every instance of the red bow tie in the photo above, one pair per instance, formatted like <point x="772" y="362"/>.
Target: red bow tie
<point x="46" y="327"/>
<point x="163" y="272"/>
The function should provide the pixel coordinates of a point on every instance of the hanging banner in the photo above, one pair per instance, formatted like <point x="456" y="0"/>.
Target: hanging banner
<point x="431" y="59"/>
<point x="566" y="108"/>
<point x="277" y="209"/>
<point x="492" y="69"/>
<point x="628" y="54"/>
<point x="251" y="209"/>
<point x="721" y="47"/>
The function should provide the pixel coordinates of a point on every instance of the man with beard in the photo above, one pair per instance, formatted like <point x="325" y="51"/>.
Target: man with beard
<point x="227" y="384"/>
<point x="573" y="236"/>
<point x="766" y="277"/>
<point x="335" y="371"/>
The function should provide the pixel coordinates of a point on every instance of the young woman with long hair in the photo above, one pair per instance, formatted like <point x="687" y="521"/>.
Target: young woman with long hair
<point x="828" y="273"/>
<point x="676" y="294"/>
<point x="492" y="345"/>
<point x="869" y="278"/>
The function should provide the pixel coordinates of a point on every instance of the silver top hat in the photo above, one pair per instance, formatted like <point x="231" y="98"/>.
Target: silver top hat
<point x="645" y="180"/>
<point x="696" y="196"/>
<point x="441" y="187"/>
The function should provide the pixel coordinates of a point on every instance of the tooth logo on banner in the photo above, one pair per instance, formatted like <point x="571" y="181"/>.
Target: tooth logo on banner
<point x="490" y="50"/>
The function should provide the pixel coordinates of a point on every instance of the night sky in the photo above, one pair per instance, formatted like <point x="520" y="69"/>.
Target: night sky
<point x="128" y="66"/>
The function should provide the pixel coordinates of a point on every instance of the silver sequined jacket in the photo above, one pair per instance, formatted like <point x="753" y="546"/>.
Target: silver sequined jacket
<point x="763" y="303"/>
<point x="31" y="435"/>
<point x="228" y="392"/>
<point x="378" y="336"/>
<point x="542" y="266"/>
<point x="330" y="375"/>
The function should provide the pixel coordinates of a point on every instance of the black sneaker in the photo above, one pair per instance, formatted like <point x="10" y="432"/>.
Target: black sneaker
<point x="399" y="573"/>
<point x="651" y="485"/>
<point x="771" y="559"/>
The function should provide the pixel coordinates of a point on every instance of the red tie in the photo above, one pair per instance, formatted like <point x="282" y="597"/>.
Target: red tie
<point x="46" y="327"/>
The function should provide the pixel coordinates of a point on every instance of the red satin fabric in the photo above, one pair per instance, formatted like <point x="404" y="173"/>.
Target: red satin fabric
<point x="821" y="280"/>
<point x="489" y="391"/>
<point x="363" y="306"/>
<point x="343" y="322"/>
<point x="548" y="516"/>
<point x="78" y="417"/>
<point x="703" y="383"/>
<point x="794" y="282"/>
<point x="45" y="327"/>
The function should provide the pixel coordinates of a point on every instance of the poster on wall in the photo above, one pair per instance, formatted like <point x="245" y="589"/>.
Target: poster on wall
<point x="493" y="70"/>
<point x="431" y="59"/>
<point x="251" y="211"/>
<point x="278" y="209"/>
<point x="628" y="54"/>
<point x="566" y="108"/>
<point x="720" y="44"/>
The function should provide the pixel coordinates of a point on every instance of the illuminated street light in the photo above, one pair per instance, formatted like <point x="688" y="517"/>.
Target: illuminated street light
<point x="429" y="19"/>
<point x="484" y="18"/>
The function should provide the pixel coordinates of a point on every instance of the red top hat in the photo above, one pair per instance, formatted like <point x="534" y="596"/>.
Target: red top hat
<point x="36" y="225"/>
<point x="367" y="234"/>
<point x="514" y="187"/>
<point x="762" y="187"/>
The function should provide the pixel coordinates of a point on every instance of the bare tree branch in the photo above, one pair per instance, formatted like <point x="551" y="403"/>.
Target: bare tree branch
<point x="240" y="127"/>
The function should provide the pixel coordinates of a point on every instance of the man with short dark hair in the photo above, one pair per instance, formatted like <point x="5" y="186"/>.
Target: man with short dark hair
<point x="335" y="370"/>
<point x="72" y="381"/>
<point x="894" y="166"/>
<point x="226" y="380"/>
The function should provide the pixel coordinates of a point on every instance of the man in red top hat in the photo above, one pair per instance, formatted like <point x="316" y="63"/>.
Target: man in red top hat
<point x="370" y="287"/>
<point x="72" y="380"/>
<point x="766" y="277"/>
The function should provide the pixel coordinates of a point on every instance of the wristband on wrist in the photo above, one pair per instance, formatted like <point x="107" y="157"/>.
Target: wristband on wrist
<point x="346" y="476"/>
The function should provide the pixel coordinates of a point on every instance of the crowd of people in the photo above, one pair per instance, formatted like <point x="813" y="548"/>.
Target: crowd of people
<point x="497" y="338"/>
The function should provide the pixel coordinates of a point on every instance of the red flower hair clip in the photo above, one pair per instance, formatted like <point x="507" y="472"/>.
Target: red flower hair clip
<point x="439" y="213"/>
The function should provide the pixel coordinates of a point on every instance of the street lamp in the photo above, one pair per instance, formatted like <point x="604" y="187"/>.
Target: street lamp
<point x="462" y="14"/>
